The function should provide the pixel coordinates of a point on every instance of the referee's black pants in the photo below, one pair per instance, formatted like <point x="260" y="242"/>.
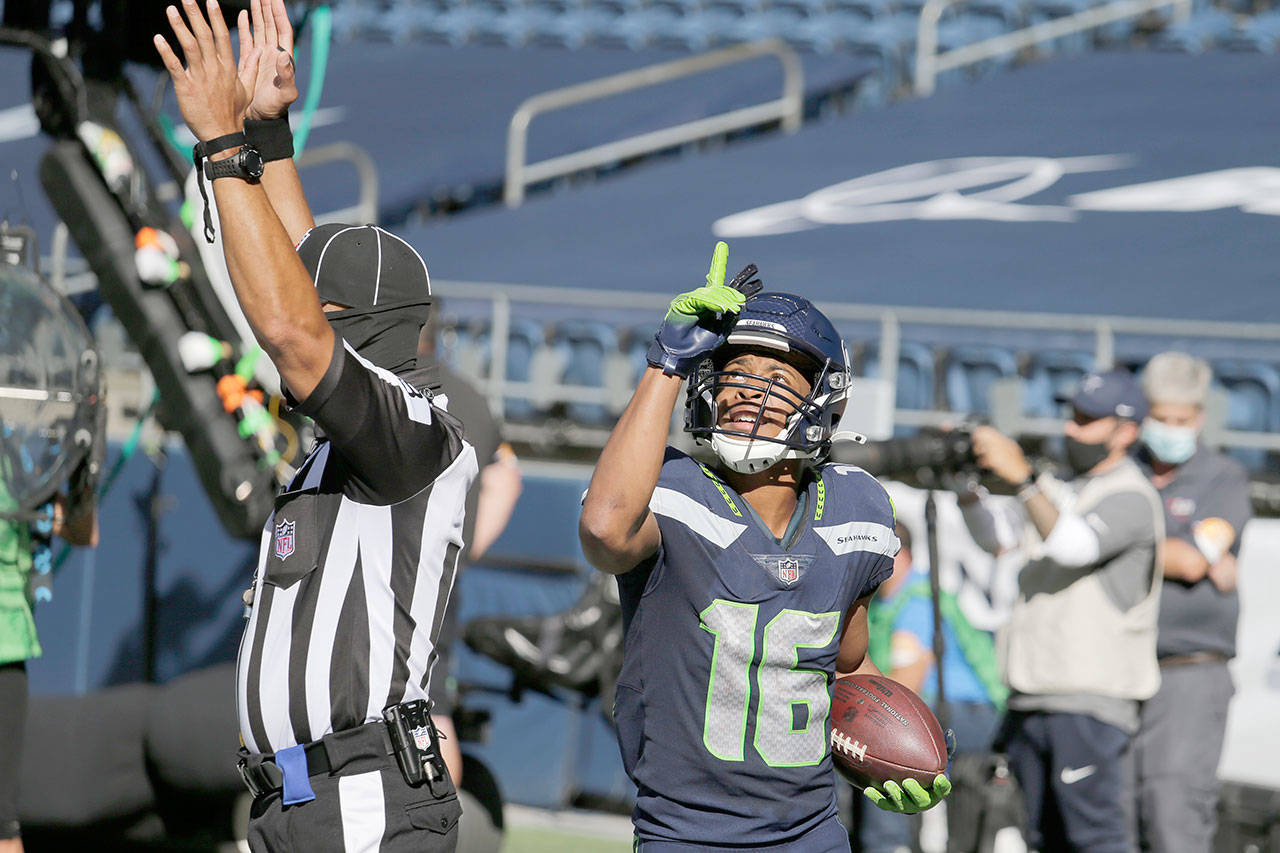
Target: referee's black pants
<point x="362" y="805"/>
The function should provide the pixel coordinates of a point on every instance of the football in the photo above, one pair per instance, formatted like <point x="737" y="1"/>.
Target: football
<point x="881" y="731"/>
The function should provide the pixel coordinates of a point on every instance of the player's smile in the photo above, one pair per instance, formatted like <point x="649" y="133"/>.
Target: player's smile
<point x="740" y="396"/>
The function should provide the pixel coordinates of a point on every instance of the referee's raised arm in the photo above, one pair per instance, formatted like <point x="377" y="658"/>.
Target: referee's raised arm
<point x="271" y="283"/>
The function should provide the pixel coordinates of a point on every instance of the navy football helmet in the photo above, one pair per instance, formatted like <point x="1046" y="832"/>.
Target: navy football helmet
<point x="790" y="328"/>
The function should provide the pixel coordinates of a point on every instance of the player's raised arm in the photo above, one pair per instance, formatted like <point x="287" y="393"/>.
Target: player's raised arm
<point x="616" y="528"/>
<point x="271" y="284"/>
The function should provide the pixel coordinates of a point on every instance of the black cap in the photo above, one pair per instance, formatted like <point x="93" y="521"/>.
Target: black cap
<point x="1103" y="394"/>
<point x="364" y="266"/>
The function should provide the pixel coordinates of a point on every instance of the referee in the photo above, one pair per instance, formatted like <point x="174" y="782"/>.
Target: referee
<point x="357" y="560"/>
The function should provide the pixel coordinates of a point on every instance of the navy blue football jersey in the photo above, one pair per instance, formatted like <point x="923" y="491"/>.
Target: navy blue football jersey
<point x="731" y="642"/>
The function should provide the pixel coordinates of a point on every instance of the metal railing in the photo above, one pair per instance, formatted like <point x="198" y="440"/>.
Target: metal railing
<point x="788" y="109"/>
<point x="365" y="210"/>
<point x="930" y="63"/>
<point x="502" y="301"/>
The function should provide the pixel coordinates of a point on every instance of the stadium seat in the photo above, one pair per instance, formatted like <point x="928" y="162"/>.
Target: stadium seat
<point x="577" y="28"/>
<point x="1253" y="402"/>
<point x="465" y="347"/>
<point x="868" y="9"/>
<point x="916" y="375"/>
<point x="1011" y="14"/>
<point x="1053" y="372"/>
<point x="1204" y="31"/>
<point x="637" y="29"/>
<point x="584" y="348"/>
<point x="780" y="22"/>
<point x="525" y="362"/>
<point x="516" y="27"/>
<point x="969" y="373"/>
<point x="1260" y="35"/>
<point x="457" y="25"/>
<point x="698" y="30"/>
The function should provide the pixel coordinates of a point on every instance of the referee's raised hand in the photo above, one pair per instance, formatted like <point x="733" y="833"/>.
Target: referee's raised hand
<point x="212" y="91"/>
<point x="269" y="44"/>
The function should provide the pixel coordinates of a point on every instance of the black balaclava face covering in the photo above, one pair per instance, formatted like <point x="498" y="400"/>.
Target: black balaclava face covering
<point x="1081" y="457"/>
<point x="382" y="280"/>
<point x="387" y="337"/>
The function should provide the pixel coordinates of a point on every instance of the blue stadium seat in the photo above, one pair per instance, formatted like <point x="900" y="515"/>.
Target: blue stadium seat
<point x="1253" y="402"/>
<point x="1204" y="31"/>
<point x="1012" y="14"/>
<point x="1045" y="10"/>
<point x="576" y="28"/>
<point x="1260" y="35"/>
<point x="526" y="341"/>
<point x="699" y="30"/>
<point x="806" y="8"/>
<point x="916" y="383"/>
<point x="585" y="347"/>
<point x="779" y="22"/>
<point x="869" y="9"/>
<point x="969" y="374"/>
<point x="465" y="347"/>
<point x="1053" y="372"/>
<point x="458" y="25"/>
<point x="639" y="28"/>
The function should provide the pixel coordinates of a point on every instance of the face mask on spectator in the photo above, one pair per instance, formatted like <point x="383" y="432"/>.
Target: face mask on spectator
<point x="1172" y="445"/>
<point x="1082" y="457"/>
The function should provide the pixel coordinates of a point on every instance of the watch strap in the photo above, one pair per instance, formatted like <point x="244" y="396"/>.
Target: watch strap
<point x="228" y="168"/>
<point x="219" y="143"/>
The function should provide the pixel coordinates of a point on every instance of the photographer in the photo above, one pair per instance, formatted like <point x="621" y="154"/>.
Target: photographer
<point x="1206" y="504"/>
<point x="1078" y="652"/>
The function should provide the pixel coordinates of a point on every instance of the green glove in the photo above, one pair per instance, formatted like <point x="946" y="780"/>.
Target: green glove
<point x="713" y="298"/>
<point x="692" y="328"/>
<point x="910" y="797"/>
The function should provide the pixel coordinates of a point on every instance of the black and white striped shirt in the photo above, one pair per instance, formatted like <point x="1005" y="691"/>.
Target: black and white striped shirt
<point x="357" y="561"/>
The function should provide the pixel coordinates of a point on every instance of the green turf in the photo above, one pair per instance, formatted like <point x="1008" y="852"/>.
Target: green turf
<point x="535" y="840"/>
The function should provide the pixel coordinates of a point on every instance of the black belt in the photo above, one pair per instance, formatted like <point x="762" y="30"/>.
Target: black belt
<point x="1193" y="657"/>
<point x="262" y="775"/>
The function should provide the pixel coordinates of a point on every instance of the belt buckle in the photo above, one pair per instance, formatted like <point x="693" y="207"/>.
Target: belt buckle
<point x="242" y="766"/>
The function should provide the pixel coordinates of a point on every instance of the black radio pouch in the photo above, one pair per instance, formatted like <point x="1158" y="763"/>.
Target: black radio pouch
<point x="416" y="744"/>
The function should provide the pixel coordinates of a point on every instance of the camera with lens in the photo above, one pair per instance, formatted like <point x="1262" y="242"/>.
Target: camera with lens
<point x="928" y="459"/>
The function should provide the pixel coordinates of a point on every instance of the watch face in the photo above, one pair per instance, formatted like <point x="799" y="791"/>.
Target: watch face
<point x="251" y="161"/>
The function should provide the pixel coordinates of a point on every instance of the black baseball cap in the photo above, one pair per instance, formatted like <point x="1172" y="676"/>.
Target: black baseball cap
<point x="1103" y="394"/>
<point x="364" y="266"/>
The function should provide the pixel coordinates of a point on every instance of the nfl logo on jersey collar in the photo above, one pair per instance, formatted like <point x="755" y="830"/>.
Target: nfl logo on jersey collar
<point x="284" y="539"/>
<point x="787" y="568"/>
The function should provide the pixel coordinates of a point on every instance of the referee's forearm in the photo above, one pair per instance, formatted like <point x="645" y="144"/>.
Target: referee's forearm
<point x="272" y="285"/>
<point x="284" y="191"/>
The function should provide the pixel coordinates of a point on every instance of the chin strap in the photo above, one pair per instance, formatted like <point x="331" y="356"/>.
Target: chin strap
<point x="845" y="436"/>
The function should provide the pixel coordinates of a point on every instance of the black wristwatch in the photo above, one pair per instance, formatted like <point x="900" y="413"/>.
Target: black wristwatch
<point x="246" y="163"/>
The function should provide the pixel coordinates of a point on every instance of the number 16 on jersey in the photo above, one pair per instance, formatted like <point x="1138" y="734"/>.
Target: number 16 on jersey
<point x="793" y="703"/>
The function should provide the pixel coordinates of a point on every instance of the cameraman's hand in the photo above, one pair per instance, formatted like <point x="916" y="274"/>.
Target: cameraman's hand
<point x="211" y="97"/>
<point x="275" y="85"/>
<point x="1001" y="455"/>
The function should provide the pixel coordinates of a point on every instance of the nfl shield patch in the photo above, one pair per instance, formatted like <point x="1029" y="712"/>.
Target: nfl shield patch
<point x="284" y="539"/>
<point x="787" y="568"/>
<point x="422" y="737"/>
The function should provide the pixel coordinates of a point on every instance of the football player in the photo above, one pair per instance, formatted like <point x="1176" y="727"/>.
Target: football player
<point x="744" y="584"/>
